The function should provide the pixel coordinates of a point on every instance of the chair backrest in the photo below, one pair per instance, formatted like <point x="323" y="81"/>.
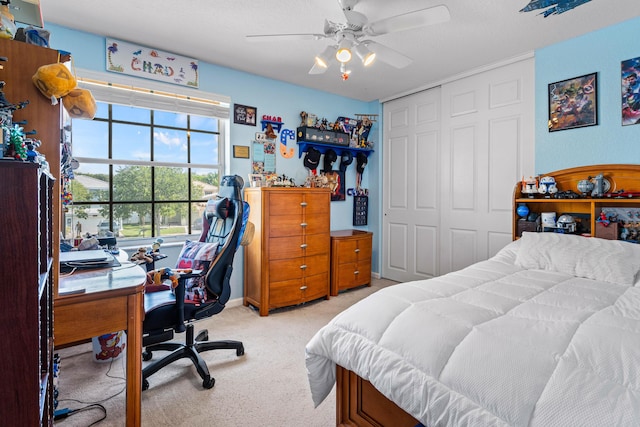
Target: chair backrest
<point x="222" y="223"/>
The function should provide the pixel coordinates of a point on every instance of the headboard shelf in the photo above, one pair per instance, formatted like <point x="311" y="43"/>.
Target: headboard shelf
<point x="621" y="177"/>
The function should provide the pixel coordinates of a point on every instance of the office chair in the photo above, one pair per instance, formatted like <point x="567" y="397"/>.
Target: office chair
<point x="168" y="311"/>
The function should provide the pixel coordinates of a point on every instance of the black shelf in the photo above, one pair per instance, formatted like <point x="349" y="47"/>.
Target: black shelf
<point x="339" y="149"/>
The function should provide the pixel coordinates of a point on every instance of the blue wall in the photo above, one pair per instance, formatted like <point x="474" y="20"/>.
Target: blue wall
<point x="608" y="142"/>
<point x="271" y="97"/>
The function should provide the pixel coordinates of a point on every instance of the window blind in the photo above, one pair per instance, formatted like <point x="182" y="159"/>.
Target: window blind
<point x="154" y="96"/>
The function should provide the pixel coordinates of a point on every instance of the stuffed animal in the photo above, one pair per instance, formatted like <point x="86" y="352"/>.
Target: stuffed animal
<point x="54" y="81"/>
<point x="141" y="257"/>
<point x="80" y="104"/>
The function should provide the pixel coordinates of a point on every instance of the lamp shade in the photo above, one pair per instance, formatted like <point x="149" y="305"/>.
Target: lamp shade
<point x="366" y="56"/>
<point x="323" y="59"/>
<point x="343" y="54"/>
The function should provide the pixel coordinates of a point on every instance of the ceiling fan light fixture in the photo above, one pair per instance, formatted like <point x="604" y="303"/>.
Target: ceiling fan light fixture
<point x="323" y="59"/>
<point x="366" y="56"/>
<point x="343" y="54"/>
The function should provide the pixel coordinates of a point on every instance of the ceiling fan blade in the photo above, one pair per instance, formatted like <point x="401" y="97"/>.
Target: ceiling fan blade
<point x="283" y="37"/>
<point x="408" y="21"/>
<point x="388" y="55"/>
<point x="355" y="20"/>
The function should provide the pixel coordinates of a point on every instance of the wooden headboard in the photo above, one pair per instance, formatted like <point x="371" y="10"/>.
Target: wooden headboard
<point x="621" y="176"/>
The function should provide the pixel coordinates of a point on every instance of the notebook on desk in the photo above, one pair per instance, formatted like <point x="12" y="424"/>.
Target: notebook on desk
<point x="94" y="255"/>
<point x="97" y="258"/>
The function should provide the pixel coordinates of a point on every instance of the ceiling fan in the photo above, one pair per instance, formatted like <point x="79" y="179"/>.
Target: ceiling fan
<point x="352" y="37"/>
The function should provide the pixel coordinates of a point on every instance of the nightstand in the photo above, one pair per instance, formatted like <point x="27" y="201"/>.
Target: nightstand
<point x="350" y="259"/>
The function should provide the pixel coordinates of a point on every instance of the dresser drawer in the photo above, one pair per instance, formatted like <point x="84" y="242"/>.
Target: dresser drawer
<point x="284" y="203"/>
<point x="298" y="246"/>
<point x="349" y="251"/>
<point x="295" y="268"/>
<point x="351" y="275"/>
<point x="292" y="292"/>
<point x="317" y="286"/>
<point x="295" y="225"/>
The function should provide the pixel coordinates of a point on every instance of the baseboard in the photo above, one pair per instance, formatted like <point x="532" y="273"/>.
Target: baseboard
<point x="236" y="302"/>
<point x="375" y="275"/>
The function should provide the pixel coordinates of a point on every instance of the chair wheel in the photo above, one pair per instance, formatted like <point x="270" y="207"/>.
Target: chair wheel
<point x="240" y="351"/>
<point x="208" y="382"/>
<point x="146" y="356"/>
<point x="145" y="385"/>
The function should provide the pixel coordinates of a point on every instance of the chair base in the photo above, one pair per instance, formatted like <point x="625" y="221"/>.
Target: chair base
<point x="191" y="349"/>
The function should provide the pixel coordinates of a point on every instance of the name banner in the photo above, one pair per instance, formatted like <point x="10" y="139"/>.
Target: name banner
<point x="147" y="63"/>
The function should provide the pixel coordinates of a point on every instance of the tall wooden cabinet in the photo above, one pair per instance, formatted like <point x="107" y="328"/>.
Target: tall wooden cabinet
<point x="287" y="262"/>
<point x="29" y="243"/>
<point x="26" y="294"/>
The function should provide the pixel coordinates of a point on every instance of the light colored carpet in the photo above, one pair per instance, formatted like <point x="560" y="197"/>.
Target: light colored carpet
<point x="266" y="387"/>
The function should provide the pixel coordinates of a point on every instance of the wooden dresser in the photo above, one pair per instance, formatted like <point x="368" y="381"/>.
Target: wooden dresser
<point x="350" y="259"/>
<point x="287" y="262"/>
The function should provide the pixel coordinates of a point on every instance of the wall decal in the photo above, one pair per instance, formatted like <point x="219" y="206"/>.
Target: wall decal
<point x="552" y="7"/>
<point x="147" y="63"/>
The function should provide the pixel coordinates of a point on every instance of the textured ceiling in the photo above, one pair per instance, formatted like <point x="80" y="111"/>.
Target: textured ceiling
<point x="480" y="33"/>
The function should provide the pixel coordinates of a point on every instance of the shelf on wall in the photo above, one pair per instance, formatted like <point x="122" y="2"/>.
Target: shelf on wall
<point x="339" y="149"/>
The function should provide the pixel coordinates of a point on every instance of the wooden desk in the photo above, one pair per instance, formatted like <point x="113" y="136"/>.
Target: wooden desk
<point x="113" y="301"/>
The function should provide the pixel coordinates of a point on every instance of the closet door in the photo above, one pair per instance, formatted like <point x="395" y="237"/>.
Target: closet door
<point x="411" y="186"/>
<point x="489" y="139"/>
<point x="450" y="155"/>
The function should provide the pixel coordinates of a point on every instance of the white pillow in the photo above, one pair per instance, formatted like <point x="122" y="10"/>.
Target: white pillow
<point x="612" y="261"/>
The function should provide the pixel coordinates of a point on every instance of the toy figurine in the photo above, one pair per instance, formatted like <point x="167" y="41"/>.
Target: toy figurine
<point x="141" y="257"/>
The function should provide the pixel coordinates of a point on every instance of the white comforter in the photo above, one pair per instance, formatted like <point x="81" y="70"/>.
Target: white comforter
<point x="499" y="344"/>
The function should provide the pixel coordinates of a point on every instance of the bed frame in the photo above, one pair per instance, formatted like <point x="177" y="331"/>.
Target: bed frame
<point x="360" y="404"/>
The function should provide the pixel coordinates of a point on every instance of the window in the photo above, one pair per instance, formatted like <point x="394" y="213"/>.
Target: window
<point x="142" y="173"/>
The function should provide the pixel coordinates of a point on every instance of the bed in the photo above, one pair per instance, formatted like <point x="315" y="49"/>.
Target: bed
<point x="545" y="333"/>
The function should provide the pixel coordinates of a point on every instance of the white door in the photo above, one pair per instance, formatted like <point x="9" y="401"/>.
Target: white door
<point x="449" y="171"/>
<point x="411" y="186"/>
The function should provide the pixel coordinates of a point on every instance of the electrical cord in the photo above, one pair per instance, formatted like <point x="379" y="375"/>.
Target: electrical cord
<point x="66" y="412"/>
<point x="61" y="414"/>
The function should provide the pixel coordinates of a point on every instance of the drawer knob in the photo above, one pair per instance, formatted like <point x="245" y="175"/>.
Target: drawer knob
<point x="303" y="266"/>
<point x="303" y="204"/>
<point x="357" y="250"/>
<point x="303" y="224"/>
<point x="356" y="272"/>
<point x="303" y="246"/>
<point x="304" y="287"/>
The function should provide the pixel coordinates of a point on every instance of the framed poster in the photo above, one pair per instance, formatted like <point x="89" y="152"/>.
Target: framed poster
<point x="336" y="184"/>
<point x="244" y="115"/>
<point x="573" y="103"/>
<point x="630" y="73"/>
<point x="240" y="151"/>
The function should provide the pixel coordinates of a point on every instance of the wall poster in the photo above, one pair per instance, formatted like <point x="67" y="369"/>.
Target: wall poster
<point x="630" y="71"/>
<point x="573" y="103"/>
<point x="148" y="63"/>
